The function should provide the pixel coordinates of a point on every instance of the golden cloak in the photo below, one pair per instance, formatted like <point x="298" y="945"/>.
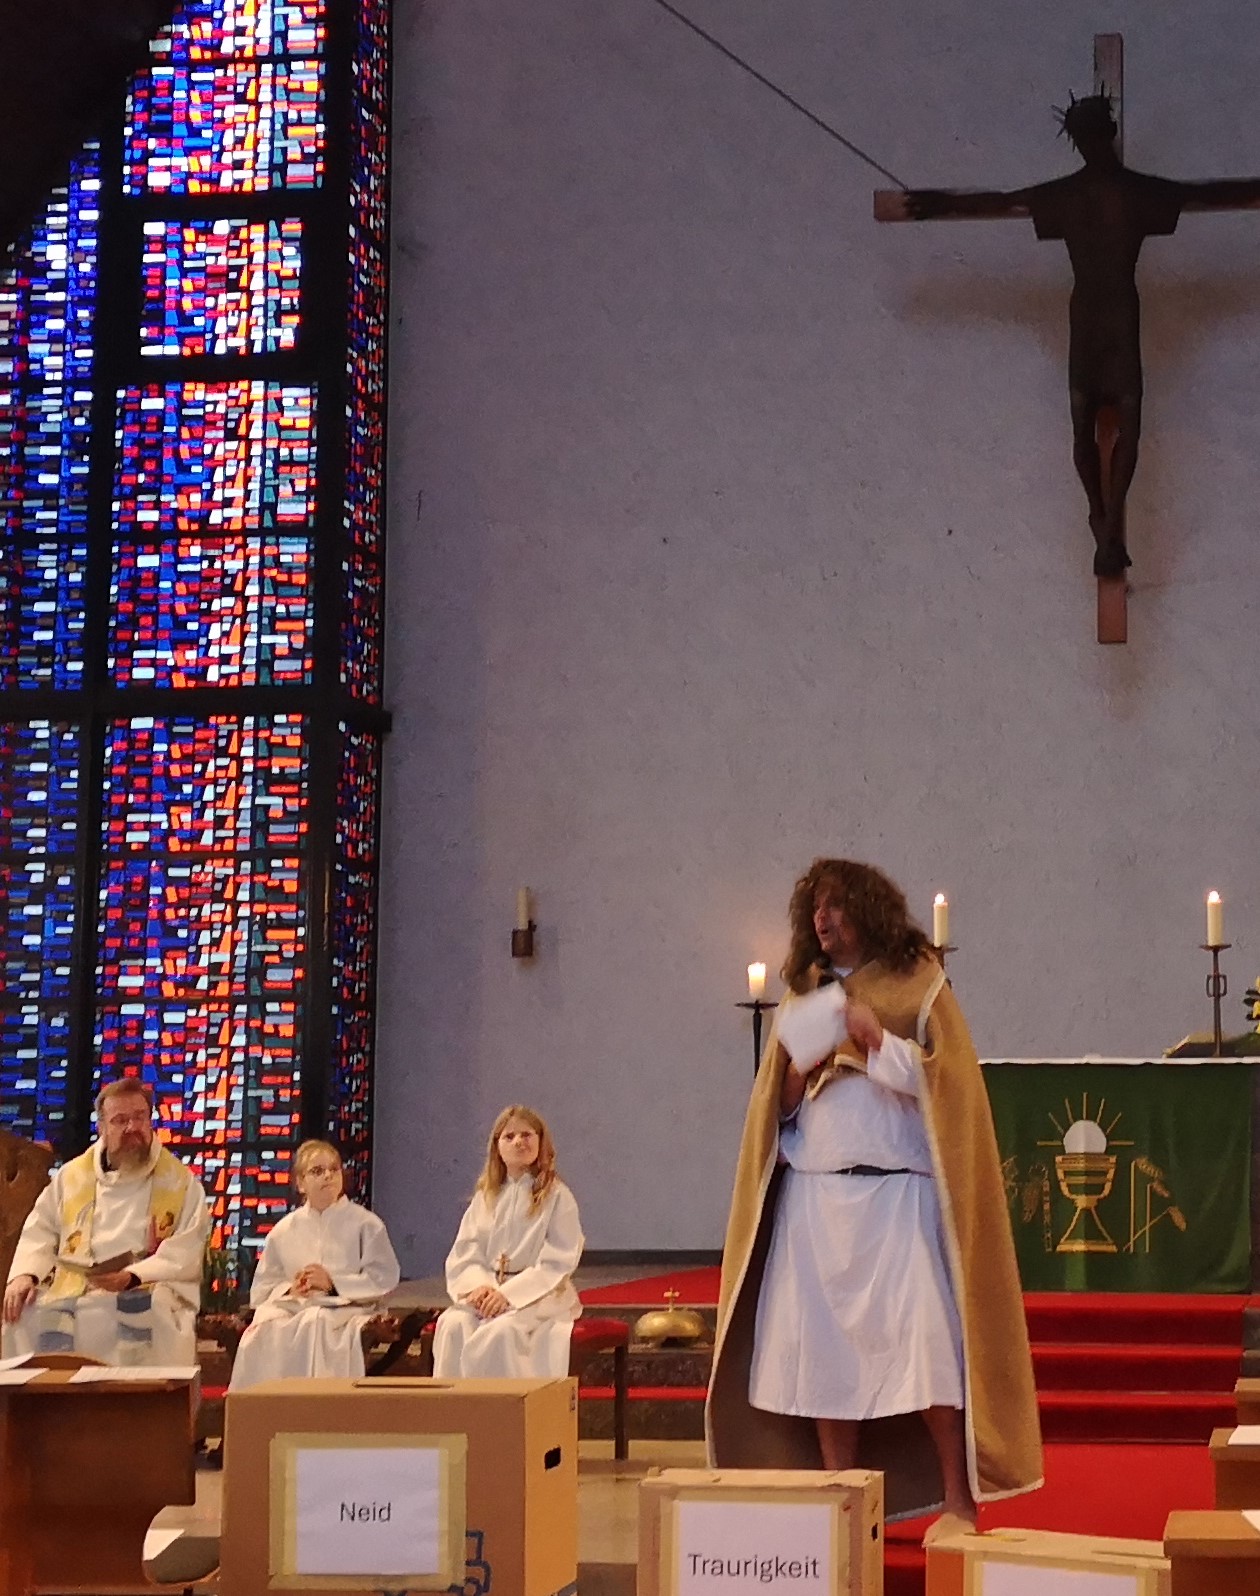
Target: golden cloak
<point x="1003" y="1433"/>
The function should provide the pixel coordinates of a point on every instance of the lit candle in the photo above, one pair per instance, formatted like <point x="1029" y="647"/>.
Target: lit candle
<point x="522" y="908"/>
<point x="940" y="920"/>
<point x="756" y="981"/>
<point x="1215" y="920"/>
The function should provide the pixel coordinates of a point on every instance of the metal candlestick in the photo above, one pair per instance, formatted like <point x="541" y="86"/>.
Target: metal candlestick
<point x="758" y="1007"/>
<point x="1217" y="986"/>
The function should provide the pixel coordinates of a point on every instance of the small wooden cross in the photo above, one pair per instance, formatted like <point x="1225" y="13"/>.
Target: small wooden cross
<point x="501" y="1268"/>
<point x="1103" y="212"/>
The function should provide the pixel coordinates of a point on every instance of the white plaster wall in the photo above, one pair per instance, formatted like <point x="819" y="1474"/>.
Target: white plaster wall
<point x="728" y="528"/>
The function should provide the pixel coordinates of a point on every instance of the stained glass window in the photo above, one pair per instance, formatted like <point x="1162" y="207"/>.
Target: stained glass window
<point x="207" y="29"/>
<point x="237" y="127"/>
<point x="212" y="612"/>
<point x="202" y="935"/>
<point x="39" y="797"/>
<point x="204" y="457"/>
<point x="223" y="536"/>
<point x="223" y="287"/>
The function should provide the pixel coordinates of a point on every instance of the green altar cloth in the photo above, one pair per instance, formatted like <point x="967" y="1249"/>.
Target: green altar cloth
<point x="1127" y="1176"/>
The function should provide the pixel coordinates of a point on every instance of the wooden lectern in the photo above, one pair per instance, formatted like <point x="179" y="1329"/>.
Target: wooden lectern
<point x="83" y="1471"/>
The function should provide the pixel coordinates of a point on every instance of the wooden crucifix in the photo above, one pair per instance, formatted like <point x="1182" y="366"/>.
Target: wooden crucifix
<point x="1103" y="212"/>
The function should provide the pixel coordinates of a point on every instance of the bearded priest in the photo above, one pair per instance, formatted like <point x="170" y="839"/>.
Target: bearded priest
<point x="110" y="1259"/>
<point x="870" y="1312"/>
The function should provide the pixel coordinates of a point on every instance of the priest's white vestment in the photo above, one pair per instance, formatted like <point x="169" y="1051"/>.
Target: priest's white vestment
<point x="530" y="1254"/>
<point x="315" y="1335"/>
<point x="156" y="1323"/>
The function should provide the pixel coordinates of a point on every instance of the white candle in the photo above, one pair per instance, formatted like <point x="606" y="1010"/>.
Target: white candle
<point x="1215" y="920"/>
<point x="522" y="908"/>
<point x="756" y="981"/>
<point x="940" y="920"/>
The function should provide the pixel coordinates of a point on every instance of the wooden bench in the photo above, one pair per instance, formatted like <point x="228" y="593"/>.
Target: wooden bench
<point x="399" y="1332"/>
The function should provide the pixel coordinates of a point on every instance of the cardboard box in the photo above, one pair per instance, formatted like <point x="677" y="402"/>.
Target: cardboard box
<point x="1024" y="1562"/>
<point x="775" y="1532"/>
<point x="1214" y="1554"/>
<point x="1247" y="1399"/>
<point x="494" y="1463"/>
<point x="1236" y="1466"/>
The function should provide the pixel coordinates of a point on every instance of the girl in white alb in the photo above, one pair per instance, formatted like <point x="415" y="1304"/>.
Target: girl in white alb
<point x="508" y="1274"/>
<point x="322" y="1269"/>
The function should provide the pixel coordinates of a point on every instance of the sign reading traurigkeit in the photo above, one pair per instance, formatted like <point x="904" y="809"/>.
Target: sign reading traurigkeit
<point x="724" y="1548"/>
<point x="760" y="1532"/>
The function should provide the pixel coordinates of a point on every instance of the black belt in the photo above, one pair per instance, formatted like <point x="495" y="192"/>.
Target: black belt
<point x="870" y="1169"/>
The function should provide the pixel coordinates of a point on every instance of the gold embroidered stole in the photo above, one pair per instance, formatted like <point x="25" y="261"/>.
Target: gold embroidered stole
<point x="168" y="1187"/>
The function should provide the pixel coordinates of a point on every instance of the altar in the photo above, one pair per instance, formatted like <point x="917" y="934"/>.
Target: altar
<point x="1127" y="1174"/>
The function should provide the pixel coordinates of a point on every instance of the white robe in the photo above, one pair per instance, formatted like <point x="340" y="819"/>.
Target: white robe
<point x="542" y="1247"/>
<point x="162" y="1330"/>
<point x="856" y="1317"/>
<point x="293" y="1336"/>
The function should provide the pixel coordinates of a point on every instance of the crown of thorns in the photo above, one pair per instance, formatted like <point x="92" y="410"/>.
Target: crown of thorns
<point x="1092" y="113"/>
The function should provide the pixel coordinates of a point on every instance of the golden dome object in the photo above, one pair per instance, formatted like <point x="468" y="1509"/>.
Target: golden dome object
<point x="672" y="1326"/>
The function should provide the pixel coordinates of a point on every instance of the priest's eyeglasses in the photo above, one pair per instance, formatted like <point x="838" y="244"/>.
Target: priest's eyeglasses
<point x="319" y="1170"/>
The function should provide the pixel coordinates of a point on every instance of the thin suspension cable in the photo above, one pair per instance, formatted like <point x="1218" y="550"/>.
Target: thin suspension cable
<point x="782" y="93"/>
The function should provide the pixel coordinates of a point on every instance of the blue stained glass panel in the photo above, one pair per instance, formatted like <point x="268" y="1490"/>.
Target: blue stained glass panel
<point x="43" y="615"/>
<point x="226" y="612"/>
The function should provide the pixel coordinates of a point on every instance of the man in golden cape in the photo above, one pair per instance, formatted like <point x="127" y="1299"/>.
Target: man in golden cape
<point x="896" y="989"/>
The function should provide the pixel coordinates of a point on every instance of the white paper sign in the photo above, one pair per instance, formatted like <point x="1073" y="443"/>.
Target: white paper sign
<point x="1026" y="1579"/>
<point x="368" y="1510"/>
<point x="738" y="1548"/>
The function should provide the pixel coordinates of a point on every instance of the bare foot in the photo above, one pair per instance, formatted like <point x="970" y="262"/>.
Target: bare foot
<point x="950" y="1524"/>
<point x="1111" y="558"/>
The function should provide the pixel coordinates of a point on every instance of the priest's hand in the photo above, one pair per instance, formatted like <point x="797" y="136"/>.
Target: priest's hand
<point x="492" y="1303"/>
<point x="864" y="1029"/>
<point x="20" y="1291"/>
<point x="314" y="1278"/>
<point x="113" y="1280"/>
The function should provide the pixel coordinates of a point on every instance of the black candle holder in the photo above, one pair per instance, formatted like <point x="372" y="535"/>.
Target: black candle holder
<point x="758" y="1007"/>
<point x="941" y="949"/>
<point x="523" y="941"/>
<point x="1217" y="986"/>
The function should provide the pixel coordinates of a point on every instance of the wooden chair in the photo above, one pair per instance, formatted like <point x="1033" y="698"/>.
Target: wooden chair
<point x="24" y="1168"/>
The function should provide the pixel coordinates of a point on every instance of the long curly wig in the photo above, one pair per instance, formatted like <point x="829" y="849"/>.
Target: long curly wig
<point x="543" y="1168"/>
<point x="873" y="905"/>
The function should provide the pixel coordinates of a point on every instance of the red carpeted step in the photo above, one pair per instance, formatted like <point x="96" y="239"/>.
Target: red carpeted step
<point x="1106" y="1366"/>
<point x="1135" y="1317"/>
<point x="1133" y="1415"/>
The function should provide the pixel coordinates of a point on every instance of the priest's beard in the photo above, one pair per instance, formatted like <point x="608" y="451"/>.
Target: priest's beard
<point x="130" y="1157"/>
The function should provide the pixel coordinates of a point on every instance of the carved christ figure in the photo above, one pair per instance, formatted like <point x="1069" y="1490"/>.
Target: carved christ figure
<point x="1104" y="212"/>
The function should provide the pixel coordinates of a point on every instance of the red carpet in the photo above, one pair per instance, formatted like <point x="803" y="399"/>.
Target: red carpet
<point x="696" y="1288"/>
